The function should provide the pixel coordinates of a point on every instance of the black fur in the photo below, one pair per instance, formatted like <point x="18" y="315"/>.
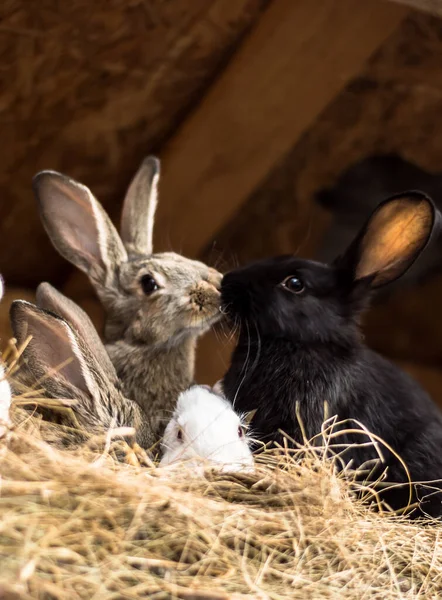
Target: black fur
<point x="308" y="348"/>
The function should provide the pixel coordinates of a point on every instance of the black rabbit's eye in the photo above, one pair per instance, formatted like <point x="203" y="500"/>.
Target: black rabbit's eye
<point x="148" y="284"/>
<point x="241" y="431"/>
<point x="179" y="435"/>
<point x="294" y="284"/>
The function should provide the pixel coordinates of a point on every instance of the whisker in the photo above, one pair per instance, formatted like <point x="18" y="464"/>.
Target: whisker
<point x="244" y="367"/>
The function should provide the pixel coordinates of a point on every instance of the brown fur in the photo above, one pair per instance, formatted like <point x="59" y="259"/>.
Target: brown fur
<point x="71" y="362"/>
<point x="151" y="338"/>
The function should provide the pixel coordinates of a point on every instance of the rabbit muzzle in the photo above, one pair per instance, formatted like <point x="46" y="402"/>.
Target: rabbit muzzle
<point x="205" y="301"/>
<point x="235" y="298"/>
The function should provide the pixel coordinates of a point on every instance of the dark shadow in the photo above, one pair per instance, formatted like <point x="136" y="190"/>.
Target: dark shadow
<point x="358" y="191"/>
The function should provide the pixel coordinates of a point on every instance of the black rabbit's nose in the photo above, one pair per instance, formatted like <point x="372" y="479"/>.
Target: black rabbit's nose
<point x="229" y="288"/>
<point x="234" y="295"/>
<point x="231" y="281"/>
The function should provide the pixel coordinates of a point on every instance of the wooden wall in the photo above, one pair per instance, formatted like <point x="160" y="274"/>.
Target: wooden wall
<point x="392" y="106"/>
<point x="253" y="106"/>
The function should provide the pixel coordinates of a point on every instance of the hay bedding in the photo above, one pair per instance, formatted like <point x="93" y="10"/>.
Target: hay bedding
<point x="75" y="523"/>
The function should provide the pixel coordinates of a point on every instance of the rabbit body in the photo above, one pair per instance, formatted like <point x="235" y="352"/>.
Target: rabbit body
<point x="65" y="353"/>
<point x="204" y="426"/>
<point x="154" y="355"/>
<point x="300" y="347"/>
<point x="156" y="305"/>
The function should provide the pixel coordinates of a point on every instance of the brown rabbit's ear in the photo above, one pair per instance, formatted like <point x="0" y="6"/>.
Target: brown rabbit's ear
<point x="53" y="352"/>
<point x="78" y="226"/>
<point x="391" y="240"/>
<point x="50" y="299"/>
<point x="139" y="208"/>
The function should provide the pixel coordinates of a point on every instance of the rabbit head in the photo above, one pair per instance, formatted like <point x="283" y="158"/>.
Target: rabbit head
<point x="311" y="301"/>
<point x="204" y="426"/>
<point x="148" y="298"/>
<point x="67" y="359"/>
<point x="5" y="390"/>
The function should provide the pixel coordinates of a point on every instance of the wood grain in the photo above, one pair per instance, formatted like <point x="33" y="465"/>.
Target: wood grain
<point x="294" y="62"/>
<point x="88" y="89"/>
<point x="433" y="7"/>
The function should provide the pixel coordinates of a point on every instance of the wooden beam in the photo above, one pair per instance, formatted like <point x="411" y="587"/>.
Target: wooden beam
<point x="296" y="60"/>
<point x="433" y="7"/>
<point x="94" y="107"/>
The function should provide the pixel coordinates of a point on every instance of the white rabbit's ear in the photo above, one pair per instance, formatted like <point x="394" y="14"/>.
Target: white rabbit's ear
<point x="52" y="300"/>
<point x="391" y="240"/>
<point x="249" y="416"/>
<point x="78" y="226"/>
<point x="53" y="351"/>
<point x="2" y="287"/>
<point x="139" y="208"/>
<point x="218" y="388"/>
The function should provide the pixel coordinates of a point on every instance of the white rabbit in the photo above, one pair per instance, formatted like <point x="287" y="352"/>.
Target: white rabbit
<point x="5" y="390"/>
<point x="204" y="426"/>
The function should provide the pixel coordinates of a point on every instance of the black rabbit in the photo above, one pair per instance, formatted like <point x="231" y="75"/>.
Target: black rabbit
<point x="300" y="346"/>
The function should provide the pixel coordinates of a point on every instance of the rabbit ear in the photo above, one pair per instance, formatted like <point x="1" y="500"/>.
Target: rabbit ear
<point x="218" y="388"/>
<point x="249" y="416"/>
<point x="52" y="300"/>
<point x="54" y="351"/>
<point x="391" y="240"/>
<point x="78" y="226"/>
<point x="139" y="208"/>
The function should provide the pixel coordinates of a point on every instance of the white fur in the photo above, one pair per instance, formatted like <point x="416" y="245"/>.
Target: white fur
<point x="5" y="390"/>
<point x="209" y="429"/>
<point x="5" y="402"/>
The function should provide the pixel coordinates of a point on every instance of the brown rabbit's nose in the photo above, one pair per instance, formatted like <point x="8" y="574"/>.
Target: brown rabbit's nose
<point x="205" y="294"/>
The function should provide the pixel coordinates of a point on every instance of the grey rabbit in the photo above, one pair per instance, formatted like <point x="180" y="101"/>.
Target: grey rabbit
<point x="66" y="354"/>
<point x="156" y="305"/>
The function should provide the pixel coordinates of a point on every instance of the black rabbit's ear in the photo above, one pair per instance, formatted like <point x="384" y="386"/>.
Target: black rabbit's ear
<point x="391" y="240"/>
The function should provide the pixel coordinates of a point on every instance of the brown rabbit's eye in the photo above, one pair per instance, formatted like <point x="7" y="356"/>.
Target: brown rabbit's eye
<point x="148" y="284"/>
<point x="294" y="284"/>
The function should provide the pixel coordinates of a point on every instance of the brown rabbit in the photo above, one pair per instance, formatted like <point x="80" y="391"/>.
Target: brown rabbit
<point x="156" y="305"/>
<point x="67" y="355"/>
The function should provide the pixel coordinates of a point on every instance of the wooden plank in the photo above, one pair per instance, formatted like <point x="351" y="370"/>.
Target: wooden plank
<point x="433" y="7"/>
<point x="88" y="88"/>
<point x="298" y="57"/>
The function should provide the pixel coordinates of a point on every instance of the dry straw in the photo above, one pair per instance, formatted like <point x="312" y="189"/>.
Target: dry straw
<point x="77" y="523"/>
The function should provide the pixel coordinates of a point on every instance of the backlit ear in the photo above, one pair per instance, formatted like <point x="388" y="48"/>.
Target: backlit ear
<point x="391" y="240"/>
<point x="218" y="388"/>
<point x="139" y="208"/>
<point x="249" y="416"/>
<point x="53" y="352"/>
<point x="50" y="299"/>
<point x="78" y="226"/>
